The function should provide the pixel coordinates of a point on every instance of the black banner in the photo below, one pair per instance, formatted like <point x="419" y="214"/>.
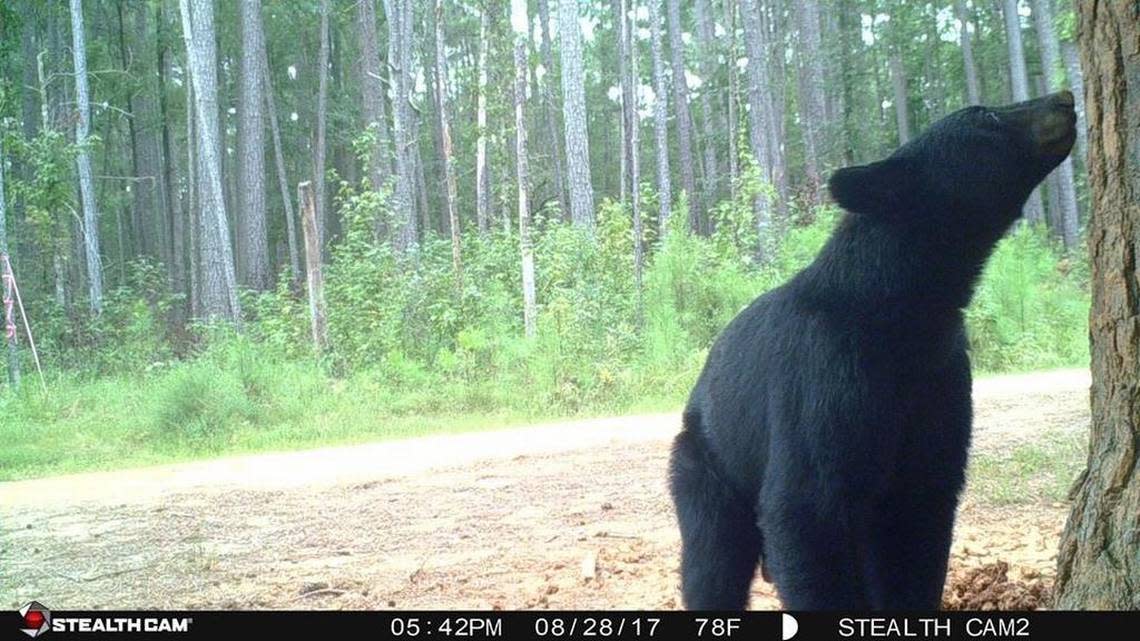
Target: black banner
<point x="36" y="620"/>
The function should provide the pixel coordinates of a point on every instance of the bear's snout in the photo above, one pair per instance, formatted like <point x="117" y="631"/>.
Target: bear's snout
<point x="1054" y="123"/>
<point x="1047" y="123"/>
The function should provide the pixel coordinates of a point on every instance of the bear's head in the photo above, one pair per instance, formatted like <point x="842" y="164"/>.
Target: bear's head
<point x="970" y="172"/>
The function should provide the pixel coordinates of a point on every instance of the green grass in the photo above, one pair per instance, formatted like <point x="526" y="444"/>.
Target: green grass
<point x="240" y="401"/>
<point x="1039" y="472"/>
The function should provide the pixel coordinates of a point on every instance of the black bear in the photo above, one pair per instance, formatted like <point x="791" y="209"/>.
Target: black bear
<point x="827" y="435"/>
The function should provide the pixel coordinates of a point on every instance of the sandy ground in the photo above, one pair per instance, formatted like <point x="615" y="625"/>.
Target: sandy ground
<point x="570" y="515"/>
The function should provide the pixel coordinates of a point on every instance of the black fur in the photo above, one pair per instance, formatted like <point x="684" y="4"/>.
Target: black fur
<point x="828" y="431"/>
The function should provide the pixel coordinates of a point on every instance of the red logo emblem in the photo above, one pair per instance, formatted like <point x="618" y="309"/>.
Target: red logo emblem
<point x="37" y="619"/>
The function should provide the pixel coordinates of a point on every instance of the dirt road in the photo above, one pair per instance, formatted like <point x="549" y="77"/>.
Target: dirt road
<point x="571" y="515"/>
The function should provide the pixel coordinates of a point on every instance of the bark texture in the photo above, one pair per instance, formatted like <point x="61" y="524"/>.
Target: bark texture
<point x="1098" y="564"/>
<point x="574" y="116"/>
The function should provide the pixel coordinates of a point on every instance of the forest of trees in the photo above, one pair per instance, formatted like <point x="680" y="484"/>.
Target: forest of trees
<point x="172" y="133"/>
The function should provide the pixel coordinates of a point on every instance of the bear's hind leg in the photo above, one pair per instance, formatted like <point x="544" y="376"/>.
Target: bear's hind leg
<point x="813" y="551"/>
<point x="720" y="543"/>
<point x="909" y="554"/>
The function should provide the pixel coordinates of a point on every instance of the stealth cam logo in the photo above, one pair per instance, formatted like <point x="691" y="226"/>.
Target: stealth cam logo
<point x="37" y="619"/>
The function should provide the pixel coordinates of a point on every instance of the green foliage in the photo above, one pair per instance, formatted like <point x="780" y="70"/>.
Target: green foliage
<point x="410" y="349"/>
<point x="130" y="334"/>
<point x="1031" y="308"/>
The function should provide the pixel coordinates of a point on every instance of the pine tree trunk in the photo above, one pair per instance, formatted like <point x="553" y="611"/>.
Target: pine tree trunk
<point x="632" y="125"/>
<point x="812" y="104"/>
<point x="1019" y="79"/>
<point x="321" y="145"/>
<point x="29" y="106"/>
<point x="660" y="118"/>
<point x="574" y="116"/>
<point x="973" y="94"/>
<point x="836" y="54"/>
<point x="550" y="109"/>
<point x="451" y="192"/>
<point x="83" y="161"/>
<point x="252" y="230"/>
<point x="421" y="185"/>
<point x="137" y="206"/>
<point x="755" y="40"/>
<point x="710" y="114"/>
<point x="432" y="168"/>
<point x="29" y="50"/>
<point x="218" y="281"/>
<point x="1063" y="181"/>
<point x="279" y="162"/>
<point x="733" y="89"/>
<point x="482" y="185"/>
<point x="520" y="28"/>
<point x="399" y="14"/>
<point x="173" y="202"/>
<point x="850" y="39"/>
<point x="773" y="44"/>
<point x="192" y="200"/>
<point x="1098" y="568"/>
<point x="684" y="116"/>
<point x="372" y="93"/>
<point x="148" y="190"/>
<point x="623" y="164"/>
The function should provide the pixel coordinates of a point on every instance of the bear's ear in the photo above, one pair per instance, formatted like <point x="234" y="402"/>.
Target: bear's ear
<point x="882" y="187"/>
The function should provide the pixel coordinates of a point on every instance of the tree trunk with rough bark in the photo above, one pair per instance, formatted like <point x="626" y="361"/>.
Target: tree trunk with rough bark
<point x="574" y="116"/>
<point x="733" y="82"/>
<point x="482" y="184"/>
<point x="149" y="207"/>
<point x="711" y="123"/>
<point x="631" y="143"/>
<point x="279" y="163"/>
<point x="399" y="13"/>
<point x="218" y="280"/>
<point x="775" y="44"/>
<point x="812" y="103"/>
<point x="253" y="236"/>
<point x="372" y="93"/>
<point x="683" y="114"/>
<point x="83" y="161"/>
<point x="973" y="94"/>
<point x="660" y="118"/>
<point x="321" y="145"/>
<point x="755" y="40"/>
<point x="520" y="28"/>
<point x="450" y="194"/>
<point x="550" y="108"/>
<point x="170" y="155"/>
<point x="194" y="255"/>
<point x="1098" y="567"/>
